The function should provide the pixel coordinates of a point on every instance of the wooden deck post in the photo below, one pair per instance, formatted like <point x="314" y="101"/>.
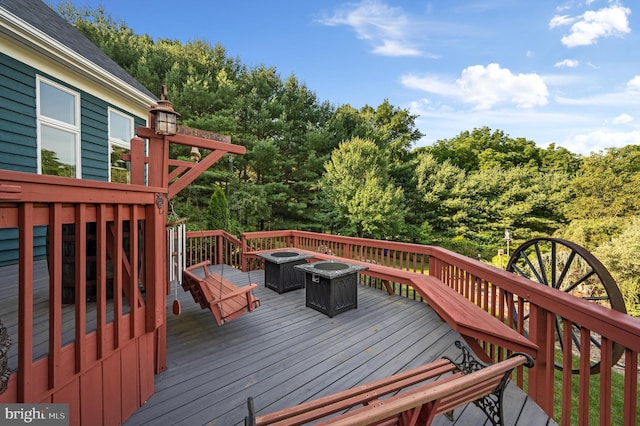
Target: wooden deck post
<point x="541" y="376"/>
<point x="155" y="250"/>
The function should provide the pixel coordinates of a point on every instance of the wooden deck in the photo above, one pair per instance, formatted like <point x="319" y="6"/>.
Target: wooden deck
<point x="284" y="353"/>
<point x="281" y="354"/>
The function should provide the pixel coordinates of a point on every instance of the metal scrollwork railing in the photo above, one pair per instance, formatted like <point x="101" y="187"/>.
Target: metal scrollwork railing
<point x="491" y="404"/>
<point x="5" y="344"/>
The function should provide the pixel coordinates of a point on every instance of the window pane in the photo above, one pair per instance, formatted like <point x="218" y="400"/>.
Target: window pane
<point x="119" y="168"/>
<point x="58" y="152"/>
<point x="119" y="127"/>
<point x="57" y="104"/>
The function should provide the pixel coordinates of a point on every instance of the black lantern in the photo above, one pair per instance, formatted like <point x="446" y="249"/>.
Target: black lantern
<point x="164" y="117"/>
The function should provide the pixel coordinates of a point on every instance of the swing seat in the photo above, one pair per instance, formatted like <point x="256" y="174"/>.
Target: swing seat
<point x="225" y="300"/>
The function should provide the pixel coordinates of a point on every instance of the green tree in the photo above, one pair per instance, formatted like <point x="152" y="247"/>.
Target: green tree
<point x="520" y="199"/>
<point x="250" y="208"/>
<point x="559" y="159"/>
<point x="376" y="209"/>
<point x="357" y="187"/>
<point x="392" y="128"/>
<point x="444" y="201"/>
<point x="621" y="256"/>
<point x="591" y="233"/>
<point x="607" y="184"/>
<point x="485" y="149"/>
<point x="218" y="210"/>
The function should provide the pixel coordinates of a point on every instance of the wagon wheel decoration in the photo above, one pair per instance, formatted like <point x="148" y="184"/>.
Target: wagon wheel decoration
<point x="570" y="268"/>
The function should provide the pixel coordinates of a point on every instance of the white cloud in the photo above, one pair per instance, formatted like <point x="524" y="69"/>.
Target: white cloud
<point x="599" y="140"/>
<point x="430" y="84"/>
<point x="485" y="87"/>
<point x="633" y="85"/>
<point x="568" y="63"/>
<point x="587" y="28"/>
<point x="394" y="48"/>
<point x="622" y="119"/>
<point x="386" y="28"/>
<point x="558" y="21"/>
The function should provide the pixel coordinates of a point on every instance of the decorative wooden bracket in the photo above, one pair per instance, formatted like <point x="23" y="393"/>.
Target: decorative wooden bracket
<point x="186" y="172"/>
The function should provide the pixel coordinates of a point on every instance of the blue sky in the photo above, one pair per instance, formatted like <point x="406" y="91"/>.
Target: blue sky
<point x="566" y="72"/>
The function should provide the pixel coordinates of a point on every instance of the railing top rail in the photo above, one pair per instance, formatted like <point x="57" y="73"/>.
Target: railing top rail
<point x="219" y="232"/>
<point x="394" y="245"/>
<point x="36" y="188"/>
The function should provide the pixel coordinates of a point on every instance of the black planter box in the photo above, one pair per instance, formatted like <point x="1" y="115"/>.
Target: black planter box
<point x="331" y="287"/>
<point x="279" y="272"/>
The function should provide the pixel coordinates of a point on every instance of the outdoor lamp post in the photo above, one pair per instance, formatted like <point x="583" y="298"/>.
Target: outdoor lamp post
<point x="164" y="117"/>
<point x="507" y="237"/>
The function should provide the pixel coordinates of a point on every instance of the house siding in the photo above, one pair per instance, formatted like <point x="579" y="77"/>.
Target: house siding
<point x="95" y="134"/>
<point x="17" y="116"/>
<point x="18" y="138"/>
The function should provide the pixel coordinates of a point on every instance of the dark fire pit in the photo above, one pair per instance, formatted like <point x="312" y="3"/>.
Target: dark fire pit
<point x="279" y="272"/>
<point x="332" y="287"/>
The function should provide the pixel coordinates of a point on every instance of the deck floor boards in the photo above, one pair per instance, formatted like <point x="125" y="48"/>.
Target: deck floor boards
<point x="283" y="354"/>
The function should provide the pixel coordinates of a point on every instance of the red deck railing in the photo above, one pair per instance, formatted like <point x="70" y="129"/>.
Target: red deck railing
<point x="217" y="246"/>
<point x="96" y="350"/>
<point x="501" y="293"/>
<point x="127" y="329"/>
<point x="105" y="368"/>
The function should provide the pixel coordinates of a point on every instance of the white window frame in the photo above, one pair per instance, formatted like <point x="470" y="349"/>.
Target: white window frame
<point x="115" y="141"/>
<point x="56" y="124"/>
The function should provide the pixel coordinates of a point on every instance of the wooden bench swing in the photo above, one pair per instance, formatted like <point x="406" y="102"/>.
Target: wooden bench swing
<point x="211" y="291"/>
<point x="416" y="396"/>
<point x="225" y="300"/>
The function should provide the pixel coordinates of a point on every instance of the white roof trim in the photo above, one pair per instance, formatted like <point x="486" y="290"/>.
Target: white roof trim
<point x="45" y="45"/>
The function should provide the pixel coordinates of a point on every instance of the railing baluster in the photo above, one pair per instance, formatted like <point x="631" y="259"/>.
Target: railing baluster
<point x="585" y="374"/>
<point x="101" y="279"/>
<point x="55" y="292"/>
<point x="630" y="405"/>
<point x="80" y="285"/>
<point x="606" y="347"/>
<point x="25" y="301"/>
<point x="567" y="367"/>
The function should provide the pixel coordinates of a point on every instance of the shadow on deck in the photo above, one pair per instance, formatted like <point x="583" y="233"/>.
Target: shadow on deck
<point x="283" y="354"/>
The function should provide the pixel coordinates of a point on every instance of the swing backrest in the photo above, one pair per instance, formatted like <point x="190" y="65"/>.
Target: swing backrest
<point x="225" y="300"/>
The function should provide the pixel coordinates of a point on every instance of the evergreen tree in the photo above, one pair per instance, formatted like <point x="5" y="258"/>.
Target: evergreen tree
<point x="218" y="210"/>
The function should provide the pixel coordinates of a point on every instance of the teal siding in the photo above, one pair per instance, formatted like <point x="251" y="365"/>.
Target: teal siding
<point x="18" y="139"/>
<point x="18" y="123"/>
<point x="95" y="138"/>
<point x="139" y="122"/>
<point x="9" y="245"/>
<point x="17" y="116"/>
